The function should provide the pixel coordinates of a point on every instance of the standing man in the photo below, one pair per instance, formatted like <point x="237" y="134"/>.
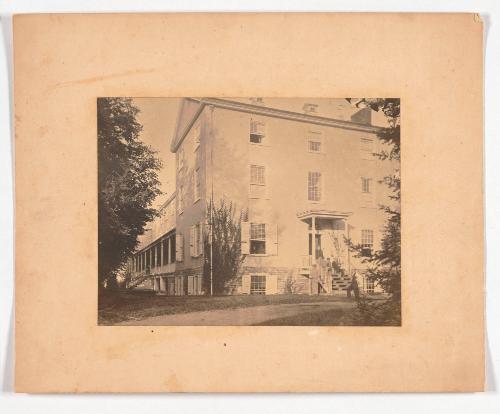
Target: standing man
<point x="353" y="287"/>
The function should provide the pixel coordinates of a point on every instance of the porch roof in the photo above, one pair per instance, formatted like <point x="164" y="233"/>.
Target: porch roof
<point x="323" y="214"/>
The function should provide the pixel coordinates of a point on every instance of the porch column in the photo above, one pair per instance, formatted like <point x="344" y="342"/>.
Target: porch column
<point x="313" y="274"/>
<point x="313" y="239"/>
<point x="346" y="235"/>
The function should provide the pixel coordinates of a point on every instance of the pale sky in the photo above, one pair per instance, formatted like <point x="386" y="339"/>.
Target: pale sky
<point x="158" y="117"/>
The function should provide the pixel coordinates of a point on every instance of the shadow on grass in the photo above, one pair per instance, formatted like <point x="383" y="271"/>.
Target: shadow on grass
<point x="332" y="317"/>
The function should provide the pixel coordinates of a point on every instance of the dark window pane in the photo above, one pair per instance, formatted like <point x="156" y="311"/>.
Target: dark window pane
<point x="256" y="138"/>
<point x="257" y="247"/>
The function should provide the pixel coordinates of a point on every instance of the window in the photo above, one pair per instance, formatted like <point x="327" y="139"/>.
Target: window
<point x="365" y="185"/>
<point x="258" y="285"/>
<point x="370" y="286"/>
<point x="367" y="148"/>
<point x="196" y="240"/>
<point x="366" y="242"/>
<point x="257" y="175"/>
<point x="314" y="186"/>
<point x="257" y="131"/>
<point x="258" y="182"/>
<point x="196" y="185"/>
<point x="314" y="141"/>
<point x="180" y="200"/>
<point x="257" y="238"/>
<point x="180" y="158"/>
<point x="194" y="285"/>
<point x="314" y="146"/>
<point x="197" y="136"/>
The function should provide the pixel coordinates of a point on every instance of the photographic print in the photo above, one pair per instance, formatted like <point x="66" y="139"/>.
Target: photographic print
<point x="249" y="211"/>
<point x="196" y="197"/>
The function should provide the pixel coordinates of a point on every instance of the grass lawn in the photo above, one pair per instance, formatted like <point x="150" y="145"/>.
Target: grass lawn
<point x="332" y="317"/>
<point x="125" y="305"/>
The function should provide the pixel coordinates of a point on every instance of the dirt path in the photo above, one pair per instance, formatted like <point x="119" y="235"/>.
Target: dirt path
<point x="241" y="316"/>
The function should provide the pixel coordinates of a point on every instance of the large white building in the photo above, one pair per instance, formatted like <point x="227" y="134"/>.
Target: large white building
<point x="305" y="171"/>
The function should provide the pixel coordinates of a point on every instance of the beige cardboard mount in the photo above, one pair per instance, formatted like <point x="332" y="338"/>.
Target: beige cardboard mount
<point x="433" y="62"/>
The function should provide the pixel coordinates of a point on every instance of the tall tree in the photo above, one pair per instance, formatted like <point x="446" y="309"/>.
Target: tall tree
<point x="222" y="248"/>
<point x="127" y="185"/>
<point x="384" y="265"/>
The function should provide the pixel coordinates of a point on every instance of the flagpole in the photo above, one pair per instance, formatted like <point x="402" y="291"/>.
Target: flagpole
<point x="211" y="202"/>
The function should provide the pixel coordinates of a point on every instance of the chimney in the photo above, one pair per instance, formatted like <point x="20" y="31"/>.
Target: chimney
<point x="257" y="101"/>
<point x="363" y="116"/>
<point x="310" y="109"/>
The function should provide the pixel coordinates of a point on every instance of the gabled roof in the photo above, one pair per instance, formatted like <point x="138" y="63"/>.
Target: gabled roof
<point x="191" y="108"/>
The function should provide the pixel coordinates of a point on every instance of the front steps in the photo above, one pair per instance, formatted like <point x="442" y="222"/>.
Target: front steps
<point x="340" y="284"/>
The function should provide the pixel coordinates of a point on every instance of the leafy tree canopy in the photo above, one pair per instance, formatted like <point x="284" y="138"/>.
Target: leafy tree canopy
<point x="127" y="184"/>
<point x="384" y="265"/>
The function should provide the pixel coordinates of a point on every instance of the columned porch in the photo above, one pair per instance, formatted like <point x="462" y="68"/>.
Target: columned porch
<point x="327" y="251"/>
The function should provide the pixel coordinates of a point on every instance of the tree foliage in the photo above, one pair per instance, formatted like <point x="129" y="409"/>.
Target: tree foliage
<point x="127" y="184"/>
<point x="222" y="246"/>
<point x="384" y="265"/>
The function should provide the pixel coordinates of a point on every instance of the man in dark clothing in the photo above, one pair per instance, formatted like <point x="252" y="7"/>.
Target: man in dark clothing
<point x="353" y="287"/>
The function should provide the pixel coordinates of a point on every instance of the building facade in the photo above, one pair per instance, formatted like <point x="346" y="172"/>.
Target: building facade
<point x="306" y="178"/>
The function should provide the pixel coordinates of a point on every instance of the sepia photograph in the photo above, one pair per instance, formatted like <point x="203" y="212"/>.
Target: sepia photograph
<point x="224" y="203"/>
<point x="249" y="211"/>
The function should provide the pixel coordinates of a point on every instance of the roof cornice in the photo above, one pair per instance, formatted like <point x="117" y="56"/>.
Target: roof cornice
<point x="271" y="112"/>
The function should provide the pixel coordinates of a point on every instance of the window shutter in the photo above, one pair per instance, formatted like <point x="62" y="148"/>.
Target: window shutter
<point x="190" y="285"/>
<point x="192" y="237"/>
<point x="200" y="241"/>
<point x="272" y="239"/>
<point x="179" y="247"/>
<point x="245" y="284"/>
<point x="271" y="284"/>
<point x="245" y="238"/>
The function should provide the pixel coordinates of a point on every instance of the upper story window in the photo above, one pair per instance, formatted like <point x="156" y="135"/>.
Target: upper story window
<point x="314" y="186"/>
<point x="257" y="131"/>
<point x="197" y="136"/>
<point x="366" y="185"/>
<point x="258" y="187"/>
<point x="196" y="180"/>
<point x="314" y="141"/>
<point x="180" y="159"/>
<point x="196" y="240"/>
<point x="367" y="148"/>
<point x="314" y="146"/>
<point x="257" y="175"/>
<point x="180" y="200"/>
<point x="257" y="238"/>
<point x="366" y="242"/>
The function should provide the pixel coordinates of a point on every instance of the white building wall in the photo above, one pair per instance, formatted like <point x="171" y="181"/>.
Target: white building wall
<point x="286" y="158"/>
